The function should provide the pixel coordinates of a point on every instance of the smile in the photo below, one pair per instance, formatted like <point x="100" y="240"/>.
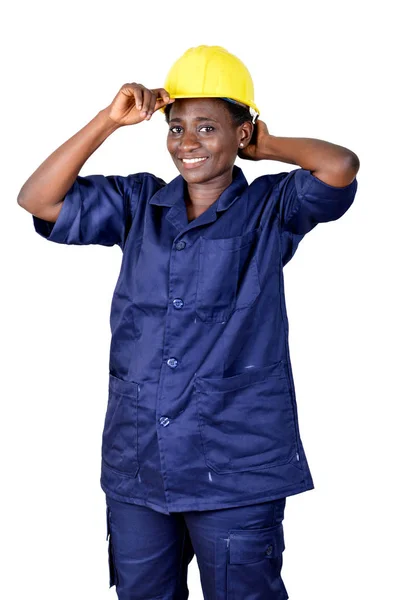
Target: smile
<point x="193" y="162"/>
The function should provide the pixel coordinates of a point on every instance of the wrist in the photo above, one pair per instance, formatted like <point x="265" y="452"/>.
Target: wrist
<point x="269" y="148"/>
<point x="107" y="123"/>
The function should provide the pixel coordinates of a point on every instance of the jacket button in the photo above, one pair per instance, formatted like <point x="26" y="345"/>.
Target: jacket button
<point x="164" y="421"/>
<point x="268" y="550"/>
<point x="178" y="303"/>
<point x="180" y="245"/>
<point x="172" y="362"/>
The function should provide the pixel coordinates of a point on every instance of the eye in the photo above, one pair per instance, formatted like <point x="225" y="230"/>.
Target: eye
<point x="208" y="127"/>
<point x="172" y="129"/>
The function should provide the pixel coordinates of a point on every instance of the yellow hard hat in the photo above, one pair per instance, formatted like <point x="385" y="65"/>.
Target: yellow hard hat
<point x="211" y="72"/>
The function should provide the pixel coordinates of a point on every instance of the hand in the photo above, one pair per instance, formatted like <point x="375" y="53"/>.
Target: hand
<point x="256" y="149"/>
<point x="135" y="103"/>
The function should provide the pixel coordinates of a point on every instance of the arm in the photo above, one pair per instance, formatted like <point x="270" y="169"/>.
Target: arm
<point x="332" y="164"/>
<point x="43" y="193"/>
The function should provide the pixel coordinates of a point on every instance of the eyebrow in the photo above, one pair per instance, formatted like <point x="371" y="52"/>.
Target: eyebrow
<point x="177" y="120"/>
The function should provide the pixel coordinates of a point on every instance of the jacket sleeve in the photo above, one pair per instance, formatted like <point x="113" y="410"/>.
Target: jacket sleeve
<point x="97" y="209"/>
<point x="303" y="201"/>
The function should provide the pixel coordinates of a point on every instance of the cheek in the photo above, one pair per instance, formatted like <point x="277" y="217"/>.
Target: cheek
<point x="216" y="146"/>
<point x="226" y="143"/>
<point x="226" y="150"/>
<point x="170" y="145"/>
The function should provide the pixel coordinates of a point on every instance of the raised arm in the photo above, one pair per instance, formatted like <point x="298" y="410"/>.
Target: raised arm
<point x="42" y="194"/>
<point x="335" y="165"/>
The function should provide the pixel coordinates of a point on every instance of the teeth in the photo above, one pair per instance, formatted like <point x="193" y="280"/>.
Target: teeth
<point x="193" y="160"/>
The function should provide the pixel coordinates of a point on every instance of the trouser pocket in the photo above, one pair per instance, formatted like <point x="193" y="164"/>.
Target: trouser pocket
<point x="113" y="579"/>
<point x="255" y="563"/>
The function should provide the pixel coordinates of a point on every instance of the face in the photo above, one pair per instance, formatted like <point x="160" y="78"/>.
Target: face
<point x="202" y="128"/>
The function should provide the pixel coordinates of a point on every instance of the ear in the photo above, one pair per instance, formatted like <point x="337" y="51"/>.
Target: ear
<point x="245" y="132"/>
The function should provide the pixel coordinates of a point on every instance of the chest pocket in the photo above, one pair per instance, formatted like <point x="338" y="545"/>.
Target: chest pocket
<point x="227" y="276"/>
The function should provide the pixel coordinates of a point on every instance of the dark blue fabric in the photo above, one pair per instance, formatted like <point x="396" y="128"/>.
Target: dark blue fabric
<point x="239" y="551"/>
<point x="202" y="409"/>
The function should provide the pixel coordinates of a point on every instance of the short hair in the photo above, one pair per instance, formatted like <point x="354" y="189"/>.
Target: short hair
<point x="239" y="113"/>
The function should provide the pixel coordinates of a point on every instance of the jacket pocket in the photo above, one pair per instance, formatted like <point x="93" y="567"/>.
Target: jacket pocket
<point x="120" y="435"/>
<point x="227" y="276"/>
<point x="246" y="421"/>
<point x="255" y="564"/>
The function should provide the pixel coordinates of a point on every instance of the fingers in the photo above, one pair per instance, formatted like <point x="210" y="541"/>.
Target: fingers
<point x="144" y="99"/>
<point x="163" y="98"/>
<point x="153" y="100"/>
<point x="147" y="101"/>
<point x="152" y="105"/>
<point x="134" y="90"/>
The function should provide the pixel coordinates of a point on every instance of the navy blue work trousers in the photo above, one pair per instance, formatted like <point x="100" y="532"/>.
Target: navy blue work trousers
<point x="238" y="551"/>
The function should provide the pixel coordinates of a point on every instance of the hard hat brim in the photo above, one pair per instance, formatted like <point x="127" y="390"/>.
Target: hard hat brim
<point x="177" y="96"/>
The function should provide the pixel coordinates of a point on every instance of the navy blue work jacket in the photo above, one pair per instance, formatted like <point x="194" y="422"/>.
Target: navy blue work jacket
<point x="201" y="409"/>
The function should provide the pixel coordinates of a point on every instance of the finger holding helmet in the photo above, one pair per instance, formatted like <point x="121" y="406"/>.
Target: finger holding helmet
<point x="135" y="103"/>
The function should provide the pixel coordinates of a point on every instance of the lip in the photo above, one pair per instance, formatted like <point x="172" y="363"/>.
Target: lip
<point x="193" y="165"/>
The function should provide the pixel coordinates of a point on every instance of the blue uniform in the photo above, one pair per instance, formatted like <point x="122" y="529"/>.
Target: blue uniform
<point x="202" y="410"/>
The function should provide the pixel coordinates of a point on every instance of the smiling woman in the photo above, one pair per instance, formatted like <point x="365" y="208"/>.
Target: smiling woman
<point x="201" y="442"/>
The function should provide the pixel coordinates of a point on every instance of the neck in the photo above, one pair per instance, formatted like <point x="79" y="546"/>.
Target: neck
<point x="205" y="194"/>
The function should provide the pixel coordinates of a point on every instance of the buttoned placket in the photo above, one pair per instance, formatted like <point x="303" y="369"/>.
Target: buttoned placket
<point x="177" y="303"/>
<point x="172" y="361"/>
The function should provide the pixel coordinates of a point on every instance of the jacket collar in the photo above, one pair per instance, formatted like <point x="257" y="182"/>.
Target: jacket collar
<point x="175" y="190"/>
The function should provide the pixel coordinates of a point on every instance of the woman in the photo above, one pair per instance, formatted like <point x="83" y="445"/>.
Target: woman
<point x="201" y="443"/>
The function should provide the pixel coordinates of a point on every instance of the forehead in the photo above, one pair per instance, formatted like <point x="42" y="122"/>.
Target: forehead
<point x="198" y="107"/>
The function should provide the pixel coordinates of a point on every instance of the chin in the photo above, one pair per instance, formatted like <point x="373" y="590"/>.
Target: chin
<point x="196" y="177"/>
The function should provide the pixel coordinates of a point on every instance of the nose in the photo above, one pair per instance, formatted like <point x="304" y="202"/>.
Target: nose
<point x="189" y="141"/>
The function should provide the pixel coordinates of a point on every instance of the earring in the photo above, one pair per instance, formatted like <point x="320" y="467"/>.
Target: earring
<point x="241" y="145"/>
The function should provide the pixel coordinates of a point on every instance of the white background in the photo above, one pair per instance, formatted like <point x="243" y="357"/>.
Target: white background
<point x="322" y="70"/>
